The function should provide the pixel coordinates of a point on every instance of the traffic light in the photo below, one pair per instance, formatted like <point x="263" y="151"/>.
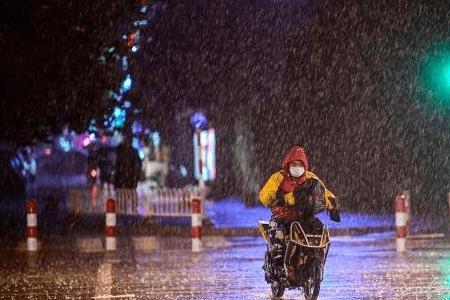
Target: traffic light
<point x="436" y="76"/>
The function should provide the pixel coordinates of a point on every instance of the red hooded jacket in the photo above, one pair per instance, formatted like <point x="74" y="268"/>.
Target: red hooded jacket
<point x="289" y="183"/>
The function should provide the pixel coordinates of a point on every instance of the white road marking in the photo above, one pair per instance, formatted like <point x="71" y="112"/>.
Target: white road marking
<point x="103" y="281"/>
<point x="114" y="296"/>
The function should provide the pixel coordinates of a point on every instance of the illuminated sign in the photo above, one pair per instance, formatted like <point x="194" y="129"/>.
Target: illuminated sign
<point x="207" y="153"/>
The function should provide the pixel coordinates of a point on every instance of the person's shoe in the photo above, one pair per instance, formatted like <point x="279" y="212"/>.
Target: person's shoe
<point x="268" y="277"/>
<point x="278" y="266"/>
<point x="281" y="274"/>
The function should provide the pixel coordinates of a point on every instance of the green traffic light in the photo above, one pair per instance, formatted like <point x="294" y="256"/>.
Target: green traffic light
<point x="436" y="76"/>
<point x="446" y="77"/>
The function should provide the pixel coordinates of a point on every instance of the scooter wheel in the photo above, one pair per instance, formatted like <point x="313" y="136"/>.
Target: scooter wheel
<point x="312" y="290"/>
<point x="277" y="289"/>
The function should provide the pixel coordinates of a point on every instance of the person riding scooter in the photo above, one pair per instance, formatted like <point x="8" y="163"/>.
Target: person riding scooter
<point x="295" y="194"/>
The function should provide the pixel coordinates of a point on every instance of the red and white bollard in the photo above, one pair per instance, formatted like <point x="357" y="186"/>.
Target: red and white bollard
<point x="196" y="210"/>
<point x="110" y="230"/>
<point x="32" y="225"/>
<point x="407" y="197"/>
<point x="401" y="222"/>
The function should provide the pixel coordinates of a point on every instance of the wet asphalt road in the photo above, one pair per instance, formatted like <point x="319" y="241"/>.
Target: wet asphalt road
<point x="362" y="267"/>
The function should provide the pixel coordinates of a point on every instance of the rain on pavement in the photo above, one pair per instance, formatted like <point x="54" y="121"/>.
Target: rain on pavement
<point x="358" y="267"/>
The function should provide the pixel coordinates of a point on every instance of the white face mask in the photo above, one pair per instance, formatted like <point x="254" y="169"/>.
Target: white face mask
<point x="296" y="171"/>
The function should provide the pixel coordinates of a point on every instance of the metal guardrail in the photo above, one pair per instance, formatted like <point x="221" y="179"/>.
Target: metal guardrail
<point x="155" y="202"/>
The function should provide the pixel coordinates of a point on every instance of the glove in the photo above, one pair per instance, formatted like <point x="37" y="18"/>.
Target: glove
<point x="334" y="213"/>
<point x="279" y="198"/>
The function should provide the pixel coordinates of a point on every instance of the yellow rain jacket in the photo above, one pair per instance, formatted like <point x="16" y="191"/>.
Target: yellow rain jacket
<point x="277" y="181"/>
<point x="267" y="195"/>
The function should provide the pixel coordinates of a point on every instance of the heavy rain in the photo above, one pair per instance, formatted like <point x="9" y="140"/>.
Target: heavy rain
<point x="142" y="142"/>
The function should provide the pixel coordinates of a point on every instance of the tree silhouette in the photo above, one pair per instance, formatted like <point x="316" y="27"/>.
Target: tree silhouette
<point x="51" y="74"/>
